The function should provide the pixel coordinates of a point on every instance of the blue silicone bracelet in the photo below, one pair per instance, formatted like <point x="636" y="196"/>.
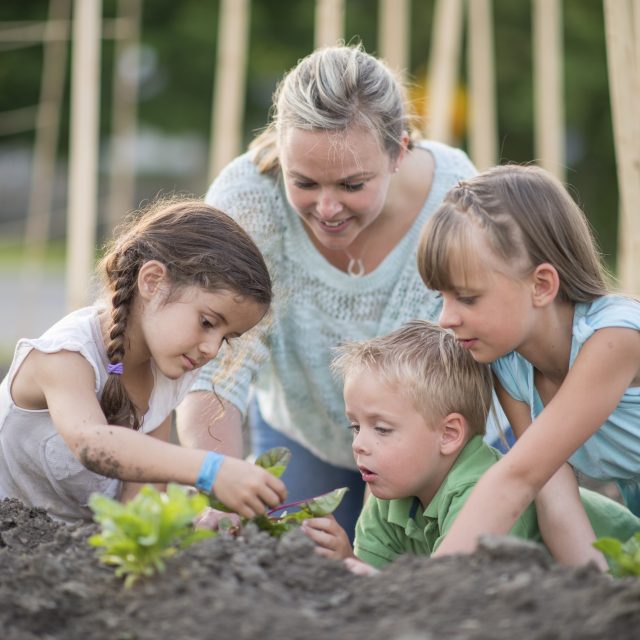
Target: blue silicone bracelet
<point x="209" y="471"/>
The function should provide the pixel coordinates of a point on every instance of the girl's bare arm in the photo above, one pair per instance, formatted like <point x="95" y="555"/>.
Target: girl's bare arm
<point x="205" y="422"/>
<point x="67" y="382"/>
<point x="605" y="367"/>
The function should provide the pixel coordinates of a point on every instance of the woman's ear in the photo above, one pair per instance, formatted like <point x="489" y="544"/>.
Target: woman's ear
<point x="404" y="145"/>
<point x="546" y="283"/>
<point x="151" y="277"/>
<point x="453" y="434"/>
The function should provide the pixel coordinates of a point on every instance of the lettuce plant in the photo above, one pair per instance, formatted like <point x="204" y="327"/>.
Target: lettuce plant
<point x="624" y="558"/>
<point x="137" y="537"/>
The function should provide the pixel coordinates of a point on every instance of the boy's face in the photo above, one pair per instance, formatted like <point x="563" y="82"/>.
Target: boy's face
<point x="397" y="452"/>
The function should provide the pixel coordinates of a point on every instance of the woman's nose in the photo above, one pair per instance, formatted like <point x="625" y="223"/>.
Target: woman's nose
<point x="328" y="206"/>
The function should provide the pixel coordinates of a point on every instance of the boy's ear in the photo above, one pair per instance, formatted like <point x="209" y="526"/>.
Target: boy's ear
<point x="151" y="277"/>
<point x="454" y="434"/>
<point x="546" y="283"/>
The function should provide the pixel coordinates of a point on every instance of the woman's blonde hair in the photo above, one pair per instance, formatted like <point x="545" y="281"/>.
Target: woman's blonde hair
<point x="528" y="218"/>
<point x="332" y="89"/>
<point x="429" y="367"/>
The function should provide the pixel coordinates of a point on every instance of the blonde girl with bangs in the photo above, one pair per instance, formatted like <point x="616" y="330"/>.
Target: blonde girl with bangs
<point x="523" y="288"/>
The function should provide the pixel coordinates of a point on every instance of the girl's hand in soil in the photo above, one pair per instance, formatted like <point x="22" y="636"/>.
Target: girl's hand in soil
<point x="360" y="568"/>
<point x="247" y="489"/>
<point x="212" y="518"/>
<point x="330" y="538"/>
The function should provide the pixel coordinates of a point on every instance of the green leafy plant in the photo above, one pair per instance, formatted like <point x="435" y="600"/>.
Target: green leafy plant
<point x="624" y="558"/>
<point x="312" y="508"/>
<point x="137" y="537"/>
<point x="275" y="461"/>
<point x="140" y="535"/>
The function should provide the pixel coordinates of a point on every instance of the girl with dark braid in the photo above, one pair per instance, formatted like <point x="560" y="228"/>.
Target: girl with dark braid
<point x="87" y="406"/>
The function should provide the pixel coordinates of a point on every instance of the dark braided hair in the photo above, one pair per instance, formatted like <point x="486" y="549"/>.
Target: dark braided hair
<point x="199" y="246"/>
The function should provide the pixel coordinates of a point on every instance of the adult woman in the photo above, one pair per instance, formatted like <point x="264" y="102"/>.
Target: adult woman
<point x="334" y="192"/>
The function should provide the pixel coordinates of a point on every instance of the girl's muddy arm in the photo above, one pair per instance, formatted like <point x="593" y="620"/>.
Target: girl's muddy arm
<point x="579" y="408"/>
<point x="130" y="490"/>
<point x="67" y="382"/>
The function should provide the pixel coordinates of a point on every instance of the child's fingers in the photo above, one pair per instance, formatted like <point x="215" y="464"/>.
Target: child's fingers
<point x="326" y="544"/>
<point x="320" y="537"/>
<point x="275" y="491"/>
<point x="211" y="519"/>
<point x="360" y="568"/>
<point x="325" y="523"/>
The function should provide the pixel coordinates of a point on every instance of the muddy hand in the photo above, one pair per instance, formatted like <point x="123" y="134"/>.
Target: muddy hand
<point x="246" y="489"/>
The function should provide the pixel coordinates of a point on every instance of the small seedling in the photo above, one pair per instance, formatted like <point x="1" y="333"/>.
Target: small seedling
<point x="624" y="558"/>
<point x="137" y="537"/>
<point x="275" y="461"/>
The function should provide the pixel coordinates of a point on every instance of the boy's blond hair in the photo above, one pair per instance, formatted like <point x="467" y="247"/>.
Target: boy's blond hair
<point x="427" y="365"/>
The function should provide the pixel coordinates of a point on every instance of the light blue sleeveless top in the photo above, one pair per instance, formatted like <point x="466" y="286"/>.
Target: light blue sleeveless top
<point x="613" y="452"/>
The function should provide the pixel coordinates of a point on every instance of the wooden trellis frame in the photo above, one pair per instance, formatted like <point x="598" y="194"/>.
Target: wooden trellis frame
<point x="622" y="21"/>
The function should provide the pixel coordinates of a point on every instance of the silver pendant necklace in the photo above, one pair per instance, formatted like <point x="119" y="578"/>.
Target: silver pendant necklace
<point x="355" y="268"/>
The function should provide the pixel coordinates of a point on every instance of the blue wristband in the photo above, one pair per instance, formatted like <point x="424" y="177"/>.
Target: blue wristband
<point x="209" y="471"/>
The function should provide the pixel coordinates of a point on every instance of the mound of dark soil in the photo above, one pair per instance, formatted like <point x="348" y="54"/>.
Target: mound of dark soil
<point x="254" y="586"/>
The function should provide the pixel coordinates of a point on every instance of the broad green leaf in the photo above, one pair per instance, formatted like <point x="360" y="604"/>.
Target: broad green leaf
<point x="327" y="503"/>
<point x="275" y="460"/>
<point x="623" y="558"/>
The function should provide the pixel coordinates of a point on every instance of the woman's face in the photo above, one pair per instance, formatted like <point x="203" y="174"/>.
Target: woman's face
<point x="337" y="181"/>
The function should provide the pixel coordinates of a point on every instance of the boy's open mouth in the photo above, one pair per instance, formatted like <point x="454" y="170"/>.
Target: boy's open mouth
<point x="367" y="474"/>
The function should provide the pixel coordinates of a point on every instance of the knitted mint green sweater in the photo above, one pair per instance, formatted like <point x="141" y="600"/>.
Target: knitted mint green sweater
<point x="316" y="307"/>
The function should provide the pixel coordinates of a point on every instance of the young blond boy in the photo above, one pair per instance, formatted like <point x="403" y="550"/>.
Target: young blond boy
<point x="418" y="403"/>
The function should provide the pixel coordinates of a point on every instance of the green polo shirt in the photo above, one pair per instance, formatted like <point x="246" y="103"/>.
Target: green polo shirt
<point x="387" y="529"/>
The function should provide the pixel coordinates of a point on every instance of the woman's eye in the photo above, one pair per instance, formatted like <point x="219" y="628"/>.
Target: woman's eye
<point x="355" y="428"/>
<point x="205" y="323"/>
<point x="467" y="300"/>
<point x="348" y="186"/>
<point x="304" y="185"/>
<point x="383" y="431"/>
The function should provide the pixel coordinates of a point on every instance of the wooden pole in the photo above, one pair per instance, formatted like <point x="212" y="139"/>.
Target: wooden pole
<point x="229" y="85"/>
<point x="443" y="68"/>
<point x="54" y="65"/>
<point x="329" y="22"/>
<point x="83" y="154"/>
<point x="393" y="33"/>
<point x="548" y="83"/>
<point x="624" y="87"/>
<point x="481" y="64"/>
<point x="124" y="111"/>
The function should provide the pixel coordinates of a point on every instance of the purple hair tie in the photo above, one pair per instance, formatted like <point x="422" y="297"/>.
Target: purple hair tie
<point x="117" y="368"/>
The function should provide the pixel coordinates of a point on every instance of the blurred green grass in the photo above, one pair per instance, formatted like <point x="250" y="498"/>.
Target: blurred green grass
<point x="13" y="255"/>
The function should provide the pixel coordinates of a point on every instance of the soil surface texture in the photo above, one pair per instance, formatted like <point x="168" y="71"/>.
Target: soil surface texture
<point x="53" y="587"/>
